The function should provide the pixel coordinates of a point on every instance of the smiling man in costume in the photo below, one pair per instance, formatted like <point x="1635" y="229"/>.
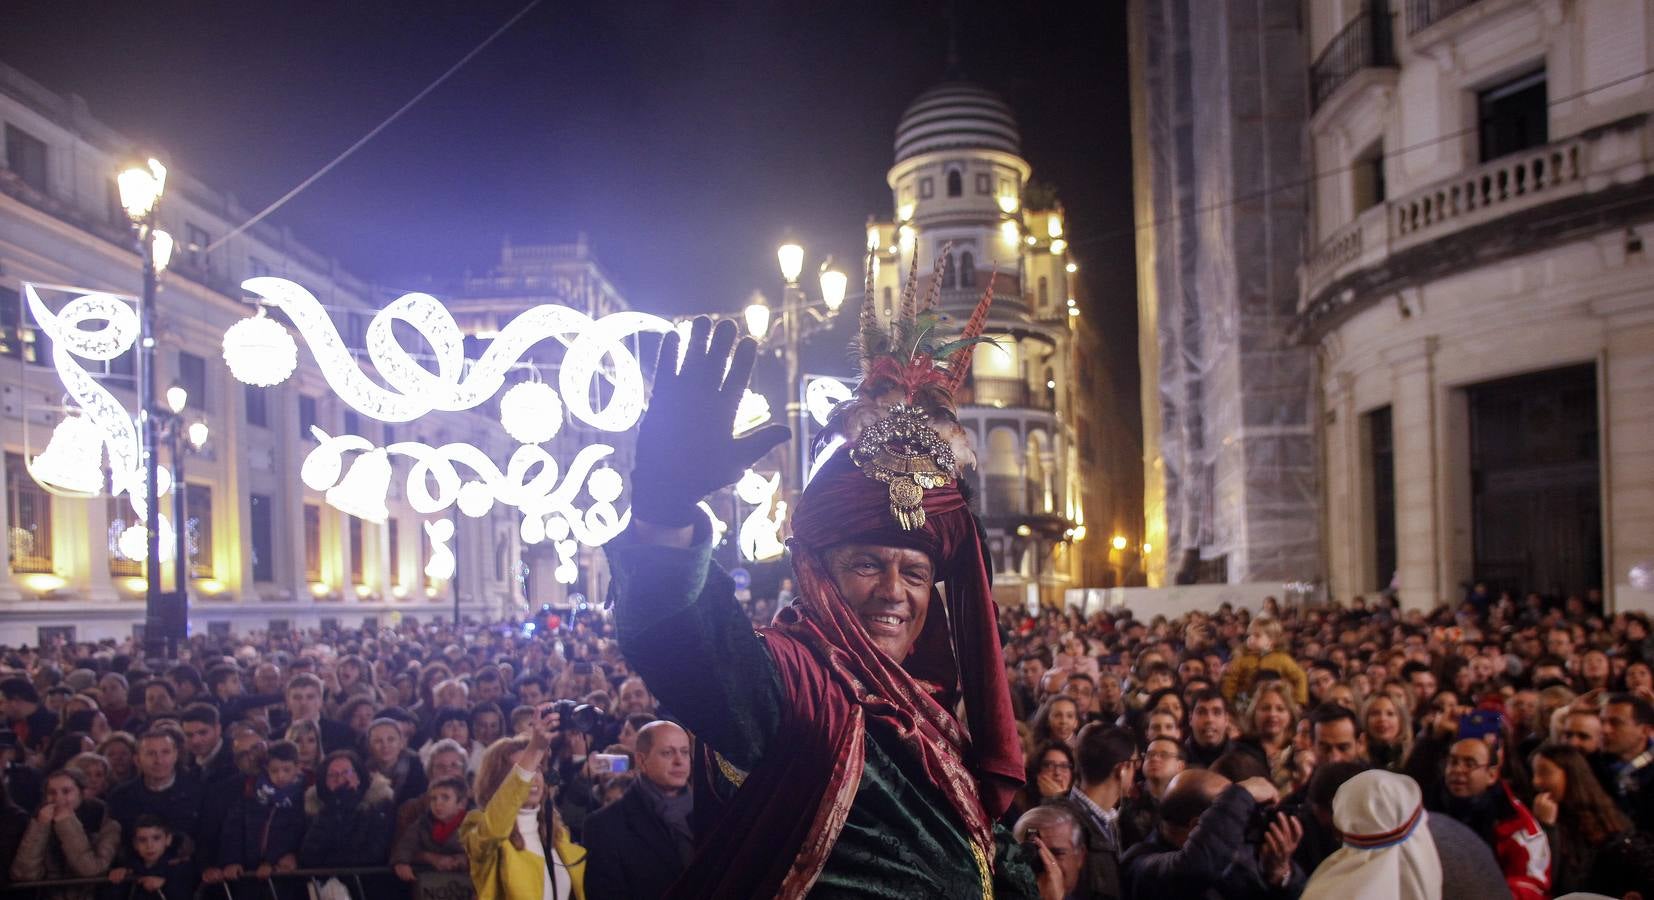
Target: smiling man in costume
<point x="863" y="745"/>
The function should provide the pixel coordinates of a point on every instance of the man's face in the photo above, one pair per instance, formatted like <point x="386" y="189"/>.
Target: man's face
<point x="1338" y="742"/>
<point x="157" y="758"/>
<point x="1191" y="668"/>
<point x="531" y="694"/>
<point x="1070" y="859"/>
<point x="267" y="679"/>
<point x="1162" y="760"/>
<point x="1621" y="735"/>
<point x="1032" y="670"/>
<point x="1164" y="725"/>
<point x="1470" y="768"/>
<point x="1423" y="685"/>
<point x="667" y="762"/>
<point x="1594" y="666"/>
<point x="111" y="694"/>
<point x="304" y="702"/>
<point x="888" y="589"/>
<point x="200" y="738"/>
<point x="1320" y="680"/>
<point x="1108" y="693"/>
<point x="1209" y="722"/>
<point x="1524" y="708"/>
<point x="1083" y="692"/>
<point x="1559" y="642"/>
<point x="489" y="690"/>
<point x="1583" y="732"/>
<point x="228" y="688"/>
<point x="634" y="698"/>
<point x="385" y="743"/>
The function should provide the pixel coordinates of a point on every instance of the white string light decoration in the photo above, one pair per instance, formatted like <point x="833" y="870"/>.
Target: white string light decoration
<point x="760" y="531"/>
<point x="401" y="389"/>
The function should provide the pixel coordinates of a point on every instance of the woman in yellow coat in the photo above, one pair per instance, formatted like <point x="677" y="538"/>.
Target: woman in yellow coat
<point x="507" y="836"/>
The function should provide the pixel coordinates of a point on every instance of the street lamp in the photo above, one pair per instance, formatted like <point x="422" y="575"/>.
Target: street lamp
<point x="141" y="188"/>
<point x="798" y="318"/>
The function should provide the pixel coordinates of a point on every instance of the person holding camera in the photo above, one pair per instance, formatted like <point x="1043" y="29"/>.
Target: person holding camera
<point x="1217" y="840"/>
<point x="640" y="845"/>
<point x="517" y="848"/>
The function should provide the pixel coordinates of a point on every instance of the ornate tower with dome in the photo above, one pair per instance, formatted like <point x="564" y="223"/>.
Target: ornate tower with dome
<point x="959" y="179"/>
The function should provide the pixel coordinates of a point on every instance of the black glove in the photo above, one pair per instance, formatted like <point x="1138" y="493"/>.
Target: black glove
<point x="685" y="449"/>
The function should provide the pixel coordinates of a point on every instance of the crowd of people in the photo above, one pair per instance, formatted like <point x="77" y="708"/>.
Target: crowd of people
<point x="1496" y="747"/>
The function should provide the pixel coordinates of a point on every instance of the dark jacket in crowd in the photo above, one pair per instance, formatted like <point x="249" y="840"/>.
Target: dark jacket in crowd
<point x="1215" y="862"/>
<point x="407" y="779"/>
<point x="348" y="828"/>
<point x="1138" y="813"/>
<point x="217" y="799"/>
<point x="178" y="875"/>
<point x="1202" y="757"/>
<point x="1100" y="877"/>
<point x="179" y="805"/>
<point x="630" y="851"/>
<point x="262" y="826"/>
<point x="1468" y="867"/>
<point x="219" y="766"/>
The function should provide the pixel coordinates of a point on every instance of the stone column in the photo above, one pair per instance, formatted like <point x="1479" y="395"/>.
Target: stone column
<point x="1418" y="529"/>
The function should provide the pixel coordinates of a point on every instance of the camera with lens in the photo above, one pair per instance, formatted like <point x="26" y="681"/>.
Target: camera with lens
<point x="572" y="716"/>
<point x="1257" y="827"/>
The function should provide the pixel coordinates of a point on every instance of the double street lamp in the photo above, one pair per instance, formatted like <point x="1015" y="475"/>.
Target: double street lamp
<point x="798" y="318"/>
<point x="141" y="187"/>
<point x="185" y="439"/>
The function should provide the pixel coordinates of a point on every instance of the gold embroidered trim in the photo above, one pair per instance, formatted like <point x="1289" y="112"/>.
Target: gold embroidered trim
<point x="982" y="870"/>
<point x="731" y="773"/>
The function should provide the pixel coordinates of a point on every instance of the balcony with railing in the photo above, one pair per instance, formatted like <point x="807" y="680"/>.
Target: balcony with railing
<point x="1619" y="156"/>
<point x="1010" y="393"/>
<point x="1365" y="43"/>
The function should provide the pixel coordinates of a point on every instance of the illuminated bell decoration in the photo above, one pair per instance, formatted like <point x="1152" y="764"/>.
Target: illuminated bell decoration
<point x="821" y="395"/>
<point x="133" y="546"/>
<point x="362" y="491"/>
<point x="259" y="351"/>
<point x="531" y="412"/>
<point x="73" y="458"/>
<point x="442" y="563"/>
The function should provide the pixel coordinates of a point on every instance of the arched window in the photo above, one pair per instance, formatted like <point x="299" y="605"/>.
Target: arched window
<point x="967" y="270"/>
<point x="950" y="276"/>
<point x="956" y="184"/>
<point x="1044" y="291"/>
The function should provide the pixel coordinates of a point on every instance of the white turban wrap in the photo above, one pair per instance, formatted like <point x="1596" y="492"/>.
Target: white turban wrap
<point x="1388" y="853"/>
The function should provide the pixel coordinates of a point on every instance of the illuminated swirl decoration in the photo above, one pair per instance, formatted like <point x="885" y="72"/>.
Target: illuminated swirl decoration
<point x="403" y="389"/>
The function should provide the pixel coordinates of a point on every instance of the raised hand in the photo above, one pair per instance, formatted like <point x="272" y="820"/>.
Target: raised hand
<point x="685" y="449"/>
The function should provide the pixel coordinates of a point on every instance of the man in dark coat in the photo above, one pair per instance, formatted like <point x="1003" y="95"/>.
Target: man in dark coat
<point x="162" y="789"/>
<point x="639" y="845"/>
<point x="1202" y="848"/>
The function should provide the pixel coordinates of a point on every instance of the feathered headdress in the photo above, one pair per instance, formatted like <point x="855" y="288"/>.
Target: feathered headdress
<point x="901" y="423"/>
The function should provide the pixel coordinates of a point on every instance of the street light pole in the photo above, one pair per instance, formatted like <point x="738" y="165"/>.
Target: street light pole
<point x="793" y="338"/>
<point x="140" y="190"/>
<point x="154" y="600"/>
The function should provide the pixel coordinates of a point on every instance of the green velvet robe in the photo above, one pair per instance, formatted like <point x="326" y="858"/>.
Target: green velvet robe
<point x="681" y="629"/>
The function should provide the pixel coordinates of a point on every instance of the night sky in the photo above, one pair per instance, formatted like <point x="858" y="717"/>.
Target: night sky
<point x="685" y="139"/>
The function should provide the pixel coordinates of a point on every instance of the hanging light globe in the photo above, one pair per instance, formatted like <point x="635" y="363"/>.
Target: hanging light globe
<point x="531" y="412"/>
<point x="259" y="351"/>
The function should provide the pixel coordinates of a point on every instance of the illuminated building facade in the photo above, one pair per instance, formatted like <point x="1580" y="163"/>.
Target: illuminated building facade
<point x="1036" y="404"/>
<point x="265" y="551"/>
<point x="1429" y="222"/>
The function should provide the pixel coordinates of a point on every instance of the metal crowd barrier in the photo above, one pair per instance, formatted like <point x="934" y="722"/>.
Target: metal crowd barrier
<point x="429" y="885"/>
